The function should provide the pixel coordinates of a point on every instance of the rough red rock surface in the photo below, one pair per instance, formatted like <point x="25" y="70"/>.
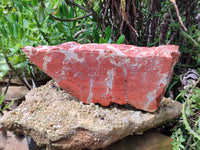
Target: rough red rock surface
<point x="109" y="73"/>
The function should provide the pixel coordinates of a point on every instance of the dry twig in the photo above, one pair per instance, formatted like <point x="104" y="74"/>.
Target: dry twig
<point x="178" y="14"/>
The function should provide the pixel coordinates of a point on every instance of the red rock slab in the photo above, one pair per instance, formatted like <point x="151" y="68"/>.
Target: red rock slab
<point x="109" y="73"/>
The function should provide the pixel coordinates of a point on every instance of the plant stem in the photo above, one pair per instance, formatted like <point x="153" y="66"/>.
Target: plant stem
<point x="39" y="27"/>
<point x="72" y="19"/>
<point x="187" y="126"/>
<point x="17" y="73"/>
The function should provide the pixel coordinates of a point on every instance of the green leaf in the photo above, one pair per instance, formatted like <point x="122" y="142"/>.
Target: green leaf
<point x="71" y="12"/>
<point x="56" y="36"/>
<point x="1" y="98"/>
<point x="108" y="33"/>
<point x="32" y="38"/>
<point x="95" y="36"/>
<point x="14" y="51"/>
<point x="50" y="11"/>
<point x="21" y="65"/>
<point x="1" y="43"/>
<point x="34" y="2"/>
<point x="26" y="23"/>
<point x="102" y="40"/>
<point x="45" y="30"/>
<point x="32" y="25"/>
<point x="3" y="31"/>
<point x="19" y="5"/>
<point x="109" y="40"/>
<point x="41" y="14"/>
<point x="121" y="39"/>
<point x="15" y="31"/>
<point x="63" y="10"/>
<point x="10" y="28"/>
<point x="8" y="105"/>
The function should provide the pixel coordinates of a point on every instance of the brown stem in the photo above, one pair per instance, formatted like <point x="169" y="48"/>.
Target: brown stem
<point x="178" y="14"/>
<point x="135" y="14"/>
<point x="134" y="30"/>
<point x="77" y="5"/>
<point x="94" y="14"/>
<point x="8" y="84"/>
<point x="105" y="13"/>
<point x="72" y="19"/>
<point x="13" y="69"/>
<point x="164" y="28"/>
<point x="172" y="37"/>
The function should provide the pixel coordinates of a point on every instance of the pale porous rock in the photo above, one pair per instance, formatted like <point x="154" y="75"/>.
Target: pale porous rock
<point x="56" y="119"/>
<point x="109" y="73"/>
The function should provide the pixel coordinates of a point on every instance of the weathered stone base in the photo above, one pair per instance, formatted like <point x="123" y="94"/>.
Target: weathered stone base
<point x="58" y="120"/>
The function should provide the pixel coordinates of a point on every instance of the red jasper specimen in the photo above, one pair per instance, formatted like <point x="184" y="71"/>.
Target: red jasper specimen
<point x="109" y="73"/>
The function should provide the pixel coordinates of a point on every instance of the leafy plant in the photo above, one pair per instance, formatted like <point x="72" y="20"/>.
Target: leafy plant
<point x="108" y="37"/>
<point x="179" y="139"/>
<point x="188" y="134"/>
<point x="1" y="102"/>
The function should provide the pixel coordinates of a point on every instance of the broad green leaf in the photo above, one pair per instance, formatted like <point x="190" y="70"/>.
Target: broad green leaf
<point x="108" y="33"/>
<point x="121" y="39"/>
<point x="71" y="12"/>
<point x="45" y="30"/>
<point x="64" y="10"/>
<point x="34" y="2"/>
<point x="50" y="11"/>
<point x="26" y="23"/>
<point x="4" y="67"/>
<point x="32" y="25"/>
<point x="13" y="40"/>
<point x="102" y="40"/>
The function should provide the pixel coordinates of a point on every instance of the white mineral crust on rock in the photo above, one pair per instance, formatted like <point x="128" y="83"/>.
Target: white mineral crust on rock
<point x="56" y="119"/>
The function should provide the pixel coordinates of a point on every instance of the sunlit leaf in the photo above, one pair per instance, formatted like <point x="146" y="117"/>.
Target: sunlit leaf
<point x="121" y="39"/>
<point x="26" y="22"/>
<point x="102" y="40"/>
<point x="21" y="65"/>
<point x="108" y="33"/>
<point x="34" y="2"/>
